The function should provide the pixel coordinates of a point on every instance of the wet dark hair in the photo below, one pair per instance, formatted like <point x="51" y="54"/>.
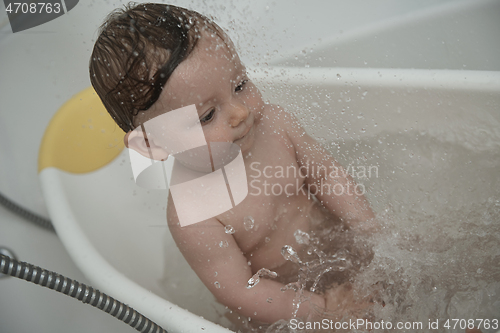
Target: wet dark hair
<point x="137" y="50"/>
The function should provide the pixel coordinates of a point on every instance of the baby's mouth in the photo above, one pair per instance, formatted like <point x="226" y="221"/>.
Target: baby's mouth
<point x="244" y="135"/>
<point x="249" y="128"/>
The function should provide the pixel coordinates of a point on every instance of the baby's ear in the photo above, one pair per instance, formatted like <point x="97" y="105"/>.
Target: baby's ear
<point x="144" y="145"/>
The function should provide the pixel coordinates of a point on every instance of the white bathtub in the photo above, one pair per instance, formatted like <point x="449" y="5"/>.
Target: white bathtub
<point x="118" y="234"/>
<point x="414" y="79"/>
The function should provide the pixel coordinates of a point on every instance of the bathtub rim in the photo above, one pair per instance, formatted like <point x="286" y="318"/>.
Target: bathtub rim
<point x="441" y="79"/>
<point x="103" y="275"/>
<point x="378" y="27"/>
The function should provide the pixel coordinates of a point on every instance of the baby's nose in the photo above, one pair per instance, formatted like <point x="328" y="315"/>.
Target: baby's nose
<point x="238" y="114"/>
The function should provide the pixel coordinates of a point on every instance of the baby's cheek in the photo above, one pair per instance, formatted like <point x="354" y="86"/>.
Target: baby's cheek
<point x="219" y="133"/>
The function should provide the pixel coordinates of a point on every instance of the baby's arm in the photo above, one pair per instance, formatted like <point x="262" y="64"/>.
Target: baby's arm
<point x="327" y="175"/>
<point x="225" y="271"/>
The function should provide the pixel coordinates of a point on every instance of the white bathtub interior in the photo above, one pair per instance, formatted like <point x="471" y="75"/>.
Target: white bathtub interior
<point x="452" y="84"/>
<point x="454" y="35"/>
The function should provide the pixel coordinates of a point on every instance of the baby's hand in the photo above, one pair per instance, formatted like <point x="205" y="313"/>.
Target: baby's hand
<point x="341" y="299"/>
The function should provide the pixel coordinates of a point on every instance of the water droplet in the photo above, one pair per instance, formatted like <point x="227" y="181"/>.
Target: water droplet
<point x="228" y="229"/>
<point x="217" y="284"/>
<point x="338" y="76"/>
<point x="248" y="222"/>
<point x="301" y="237"/>
<point x="290" y="254"/>
<point x="224" y="243"/>
<point x="291" y="286"/>
<point x="269" y="300"/>
<point x="263" y="272"/>
<point x="267" y="239"/>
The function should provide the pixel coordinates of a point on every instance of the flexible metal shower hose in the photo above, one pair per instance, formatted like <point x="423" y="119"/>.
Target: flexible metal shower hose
<point x="72" y="288"/>
<point x="80" y="291"/>
<point x="30" y="216"/>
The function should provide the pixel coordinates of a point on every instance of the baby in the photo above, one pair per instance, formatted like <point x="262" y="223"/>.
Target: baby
<point x="151" y="59"/>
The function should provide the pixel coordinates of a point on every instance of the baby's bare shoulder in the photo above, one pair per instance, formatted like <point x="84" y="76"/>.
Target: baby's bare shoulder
<point x="275" y="113"/>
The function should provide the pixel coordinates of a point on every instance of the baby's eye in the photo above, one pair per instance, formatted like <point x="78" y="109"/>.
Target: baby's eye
<point x="208" y="117"/>
<point x="240" y="86"/>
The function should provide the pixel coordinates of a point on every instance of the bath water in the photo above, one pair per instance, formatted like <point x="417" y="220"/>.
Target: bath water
<point x="436" y="255"/>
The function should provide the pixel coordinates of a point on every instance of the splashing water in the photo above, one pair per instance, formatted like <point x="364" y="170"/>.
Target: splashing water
<point x="263" y="272"/>
<point x="436" y="255"/>
<point x="290" y="254"/>
<point x="311" y="270"/>
<point x="248" y="223"/>
<point x="302" y="237"/>
<point x="229" y="229"/>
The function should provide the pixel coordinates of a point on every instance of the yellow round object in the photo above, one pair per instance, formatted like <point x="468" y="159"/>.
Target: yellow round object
<point x="82" y="137"/>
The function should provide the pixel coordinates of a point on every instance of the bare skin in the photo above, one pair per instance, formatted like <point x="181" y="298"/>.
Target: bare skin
<point x="231" y="109"/>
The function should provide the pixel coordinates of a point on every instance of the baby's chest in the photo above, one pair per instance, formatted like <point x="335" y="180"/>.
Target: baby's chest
<point x="275" y="172"/>
<point x="273" y="179"/>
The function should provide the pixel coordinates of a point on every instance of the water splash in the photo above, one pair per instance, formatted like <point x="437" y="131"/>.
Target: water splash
<point x="248" y="223"/>
<point x="301" y="237"/>
<point x="263" y="272"/>
<point x="436" y="255"/>
<point x="313" y="269"/>
<point x="229" y="229"/>
<point x="290" y="254"/>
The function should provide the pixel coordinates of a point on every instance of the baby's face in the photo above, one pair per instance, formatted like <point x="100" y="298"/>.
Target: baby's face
<point x="214" y="79"/>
